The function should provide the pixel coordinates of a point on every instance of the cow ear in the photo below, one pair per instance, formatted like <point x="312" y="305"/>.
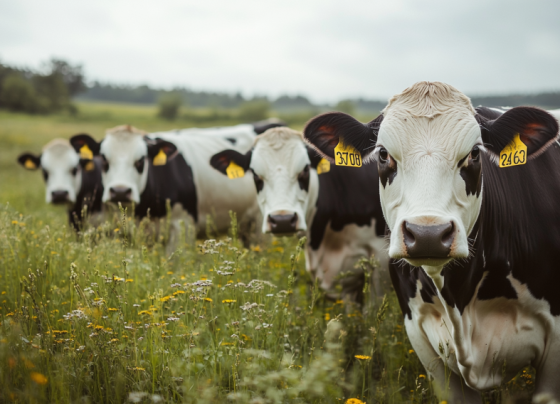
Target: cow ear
<point x="324" y="132"/>
<point x="536" y="128"/>
<point x="222" y="160"/>
<point x="159" y="151"/>
<point x="85" y="146"/>
<point x="30" y="161"/>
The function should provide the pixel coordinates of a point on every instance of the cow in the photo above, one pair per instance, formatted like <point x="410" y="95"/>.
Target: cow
<point x="471" y="201"/>
<point x="171" y="167"/>
<point x="71" y="179"/>
<point x="293" y="196"/>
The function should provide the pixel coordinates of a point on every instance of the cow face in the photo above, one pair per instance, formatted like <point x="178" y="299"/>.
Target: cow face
<point x="284" y="177"/>
<point x="431" y="146"/>
<point x="61" y="170"/>
<point x="127" y="156"/>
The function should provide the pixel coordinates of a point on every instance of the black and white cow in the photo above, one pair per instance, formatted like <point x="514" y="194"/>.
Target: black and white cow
<point x="149" y="171"/>
<point x="476" y="226"/>
<point x="70" y="179"/>
<point x="341" y="225"/>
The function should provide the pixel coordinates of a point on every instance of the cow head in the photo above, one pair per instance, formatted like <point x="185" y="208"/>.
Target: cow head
<point x="61" y="167"/>
<point x="126" y="155"/>
<point x="429" y="146"/>
<point x="282" y="170"/>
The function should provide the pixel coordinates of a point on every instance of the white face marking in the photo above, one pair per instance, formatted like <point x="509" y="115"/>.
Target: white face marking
<point x="121" y="150"/>
<point x="278" y="158"/>
<point x="428" y="188"/>
<point x="61" y="164"/>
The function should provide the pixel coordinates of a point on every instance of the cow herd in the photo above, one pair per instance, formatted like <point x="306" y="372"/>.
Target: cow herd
<point x="458" y="204"/>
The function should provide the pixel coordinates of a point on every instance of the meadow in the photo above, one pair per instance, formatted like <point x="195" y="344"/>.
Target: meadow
<point x="111" y="316"/>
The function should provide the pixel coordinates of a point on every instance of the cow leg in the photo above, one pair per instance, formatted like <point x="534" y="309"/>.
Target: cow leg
<point x="547" y="386"/>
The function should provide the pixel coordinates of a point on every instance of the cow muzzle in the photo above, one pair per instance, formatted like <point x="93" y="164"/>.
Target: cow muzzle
<point x="428" y="241"/>
<point x="120" y="194"/>
<point x="59" y="197"/>
<point x="283" y="223"/>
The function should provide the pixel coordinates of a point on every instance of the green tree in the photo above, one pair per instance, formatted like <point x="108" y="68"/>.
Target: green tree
<point x="346" y="106"/>
<point x="255" y="110"/>
<point x="168" y="105"/>
<point x="18" y="94"/>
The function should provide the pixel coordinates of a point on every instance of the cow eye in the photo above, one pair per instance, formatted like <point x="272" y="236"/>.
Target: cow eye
<point x="475" y="153"/>
<point x="139" y="165"/>
<point x="383" y="155"/>
<point x="45" y="174"/>
<point x="303" y="178"/>
<point x="74" y="171"/>
<point x="259" y="183"/>
<point x="104" y="163"/>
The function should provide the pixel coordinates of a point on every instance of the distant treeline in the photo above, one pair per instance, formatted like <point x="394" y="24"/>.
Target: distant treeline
<point x="45" y="91"/>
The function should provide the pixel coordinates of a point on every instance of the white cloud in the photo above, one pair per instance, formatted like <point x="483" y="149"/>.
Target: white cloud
<point x="321" y="48"/>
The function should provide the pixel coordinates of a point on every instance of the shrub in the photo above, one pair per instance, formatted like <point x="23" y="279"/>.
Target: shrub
<point x="168" y="105"/>
<point x="256" y="110"/>
<point x="18" y="94"/>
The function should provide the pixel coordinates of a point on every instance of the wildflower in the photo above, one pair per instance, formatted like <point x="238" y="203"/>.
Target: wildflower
<point x="411" y="351"/>
<point x="138" y="369"/>
<point x="145" y="312"/>
<point x="112" y="309"/>
<point x="421" y="376"/>
<point x="169" y="273"/>
<point x="176" y="285"/>
<point x="117" y="279"/>
<point x="116" y="230"/>
<point x="114" y="340"/>
<point x="227" y="301"/>
<point x="354" y="401"/>
<point x="173" y="319"/>
<point x="256" y="248"/>
<point x="130" y="280"/>
<point x="39" y="378"/>
<point x="362" y="357"/>
<point x="227" y="343"/>
<point x="208" y="299"/>
<point x="179" y="292"/>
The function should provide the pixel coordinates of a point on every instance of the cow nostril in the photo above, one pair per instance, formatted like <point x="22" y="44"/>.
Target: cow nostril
<point x="283" y="223"/>
<point x="293" y="222"/>
<point x="408" y="236"/>
<point x="448" y="235"/>
<point x="120" y="194"/>
<point x="271" y="220"/>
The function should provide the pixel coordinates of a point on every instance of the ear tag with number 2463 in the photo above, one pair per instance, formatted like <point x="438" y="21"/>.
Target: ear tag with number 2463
<point x="346" y="155"/>
<point x="234" y="171"/>
<point x="514" y="154"/>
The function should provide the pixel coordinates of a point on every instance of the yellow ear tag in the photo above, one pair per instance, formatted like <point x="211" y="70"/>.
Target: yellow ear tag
<point x="90" y="166"/>
<point x="29" y="164"/>
<point x="514" y="154"/>
<point x="324" y="166"/>
<point x="346" y="155"/>
<point x="160" y="159"/>
<point x="86" y="153"/>
<point x="234" y="171"/>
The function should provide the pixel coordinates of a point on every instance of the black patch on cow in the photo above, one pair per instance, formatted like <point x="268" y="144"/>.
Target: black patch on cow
<point x="261" y="127"/>
<point x="172" y="181"/>
<point x="347" y="195"/>
<point x="155" y="146"/>
<point x="472" y="173"/>
<point x="324" y="132"/>
<point x="314" y="157"/>
<point x="232" y="140"/>
<point x="387" y="167"/>
<point x="82" y="139"/>
<point x="405" y="281"/>
<point x="303" y="178"/>
<point x="259" y="183"/>
<point x="139" y="165"/>
<point x="220" y="161"/>
<point x="488" y="113"/>
<point x="90" y="194"/>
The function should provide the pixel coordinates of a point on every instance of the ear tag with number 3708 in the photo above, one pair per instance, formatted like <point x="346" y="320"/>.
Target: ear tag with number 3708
<point x="514" y="154"/>
<point x="160" y="159"/>
<point x="324" y="166"/>
<point x="234" y="171"/>
<point x="86" y="153"/>
<point x="346" y="155"/>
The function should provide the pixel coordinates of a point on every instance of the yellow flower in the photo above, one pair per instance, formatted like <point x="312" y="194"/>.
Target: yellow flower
<point x="256" y="248"/>
<point x="169" y="273"/>
<point x="208" y="299"/>
<point x="229" y="301"/>
<point x="362" y="357"/>
<point x="117" y="279"/>
<point x="138" y="369"/>
<point x="39" y="378"/>
<point x="165" y="298"/>
<point x="145" y="312"/>
<point x="112" y="309"/>
<point x="422" y="376"/>
<point x="327" y="316"/>
<point x="411" y="351"/>
<point x="116" y="230"/>
<point x="130" y="280"/>
<point x="354" y="401"/>
<point x="179" y="292"/>
<point x="227" y="343"/>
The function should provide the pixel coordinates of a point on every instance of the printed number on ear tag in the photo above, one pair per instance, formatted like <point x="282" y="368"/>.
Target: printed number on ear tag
<point x="160" y="159"/>
<point x="29" y="164"/>
<point x="514" y="154"/>
<point x="323" y="167"/>
<point x="234" y="171"/>
<point x="90" y="166"/>
<point x="86" y="153"/>
<point x="346" y="155"/>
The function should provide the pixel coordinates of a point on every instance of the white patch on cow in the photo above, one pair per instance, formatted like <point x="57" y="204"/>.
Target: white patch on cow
<point x="490" y="342"/>
<point x="427" y="129"/>
<point x="340" y="250"/>
<point x="279" y="156"/>
<point x="243" y="134"/>
<point x="122" y="147"/>
<point x="217" y="194"/>
<point x="61" y="163"/>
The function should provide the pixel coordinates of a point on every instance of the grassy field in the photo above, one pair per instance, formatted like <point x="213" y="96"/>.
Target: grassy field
<point x="109" y="316"/>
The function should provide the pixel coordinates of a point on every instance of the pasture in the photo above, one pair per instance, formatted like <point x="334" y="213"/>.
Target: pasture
<point x="112" y="316"/>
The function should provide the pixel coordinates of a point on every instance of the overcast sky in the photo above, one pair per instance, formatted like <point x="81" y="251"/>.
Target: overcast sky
<point x="326" y="50"/>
